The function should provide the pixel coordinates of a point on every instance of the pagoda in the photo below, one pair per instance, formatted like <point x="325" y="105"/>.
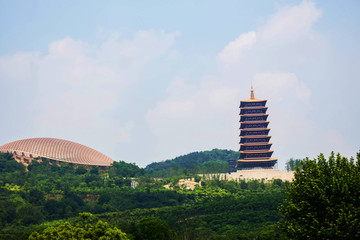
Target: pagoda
<point x="232" y="165"/>
<point x="254" y="135"/>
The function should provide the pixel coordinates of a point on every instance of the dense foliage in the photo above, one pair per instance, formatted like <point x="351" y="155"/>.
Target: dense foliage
<point x="323" y="201"/>
<point x="46" y="199"/>
<point x="98" y="231"/>
<point x="214" y="161"/>
<point x="48" y="195"/>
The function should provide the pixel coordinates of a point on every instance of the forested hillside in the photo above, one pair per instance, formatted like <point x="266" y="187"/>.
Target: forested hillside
<point x="51" y="195"/>
<point x="214" y="161"/>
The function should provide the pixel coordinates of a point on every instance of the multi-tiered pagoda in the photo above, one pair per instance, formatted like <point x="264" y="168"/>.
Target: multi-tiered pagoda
<point x="254" y="135"/>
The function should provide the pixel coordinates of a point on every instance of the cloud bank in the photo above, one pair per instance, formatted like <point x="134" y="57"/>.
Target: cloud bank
<point x="75" y="90"/>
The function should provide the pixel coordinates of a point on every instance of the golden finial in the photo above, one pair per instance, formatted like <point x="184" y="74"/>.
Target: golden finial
<point x="252" y="96"/>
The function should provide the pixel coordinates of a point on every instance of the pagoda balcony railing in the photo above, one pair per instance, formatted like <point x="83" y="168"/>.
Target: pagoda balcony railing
<point x="255" y="107"/>
<point x="259" y="150"/>
<point x="258" y="128"/>
<point x="253" y="151"/>
<point x="258" y="143"/>
<point x="254" y="129"/>
<point x="257" y="158"/>
<point x="255" y="113"/>
<point x="254" y="136"/>
<point x="254" y="118"/>
<point x="252" y="121"/>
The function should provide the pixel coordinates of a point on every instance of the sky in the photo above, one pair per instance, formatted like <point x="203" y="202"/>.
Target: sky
<point x="146" y="81"/>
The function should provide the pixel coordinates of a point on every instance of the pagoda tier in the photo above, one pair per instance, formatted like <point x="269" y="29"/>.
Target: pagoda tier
<point x="262" y="163"/>
<point x="253" y="118"/>
<point x="254" y="139"/>
<point x="249" y="103"/>
<point x="256" y="131"/>
<point x="258" y="154"/>
<point x="253" y="110"/>
<point x="247" y="125"/>
<point x="257" y="147"/>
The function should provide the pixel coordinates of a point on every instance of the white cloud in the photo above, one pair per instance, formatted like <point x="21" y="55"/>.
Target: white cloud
<point x="79" y="87"/>
<point x="10" y="67"/>
<point x="234" y="50"/>
<point x="179" y="88"/>
<point x="290" y="22"/>
<point x="172" y="110"/>
<point x="282" y="85"/>
<point x="137" y="53"/>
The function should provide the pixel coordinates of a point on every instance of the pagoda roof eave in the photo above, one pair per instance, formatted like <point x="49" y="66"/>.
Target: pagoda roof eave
<point x="252" y="144"/>
<point x="252" y="122"/>
<point x="254" y="100"/>
<point x="254" y="115"/>
<point x="258" y="151"/>
<point x="262" y="107"/>
<point x="258" y="160"/>
<point x="255" y="144"/>
<point x="254" y="129"/>
<point x="256" y="136"/>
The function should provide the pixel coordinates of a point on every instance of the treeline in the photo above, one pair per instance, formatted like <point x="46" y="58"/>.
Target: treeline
<point x="214" y="161"/>
<point x="292" y="164"/>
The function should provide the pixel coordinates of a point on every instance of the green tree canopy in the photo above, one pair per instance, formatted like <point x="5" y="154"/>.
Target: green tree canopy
<point x="124" y="169"/>
<point x="323" y="201"/>
<point x="152" y="228"/>
<point x="9" y="164"/>
<point x="213" y="161"/>
<point x="101" y="230"/>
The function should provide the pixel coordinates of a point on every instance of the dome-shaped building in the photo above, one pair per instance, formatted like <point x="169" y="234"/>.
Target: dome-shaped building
<point x="26" y="150"/>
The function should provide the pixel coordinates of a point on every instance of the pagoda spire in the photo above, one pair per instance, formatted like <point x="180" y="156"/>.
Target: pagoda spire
<point x="252" y="96"/>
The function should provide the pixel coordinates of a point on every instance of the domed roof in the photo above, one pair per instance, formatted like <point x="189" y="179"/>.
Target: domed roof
<point x="57" y="149"/>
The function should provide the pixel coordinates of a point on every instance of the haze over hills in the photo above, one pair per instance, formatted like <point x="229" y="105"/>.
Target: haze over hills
<point x="214" y="161"/>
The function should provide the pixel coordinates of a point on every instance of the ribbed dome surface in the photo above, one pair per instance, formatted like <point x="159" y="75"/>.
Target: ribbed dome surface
<point x="57" y="149"/>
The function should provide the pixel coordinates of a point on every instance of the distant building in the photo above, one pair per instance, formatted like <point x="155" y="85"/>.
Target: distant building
<point x="254" y="139"/>
<point x="62" y="151"/>
<point x="232" y="165"/>
<point x="134" y="184"/>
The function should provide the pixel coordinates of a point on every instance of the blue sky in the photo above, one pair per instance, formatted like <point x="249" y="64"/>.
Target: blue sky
<point x="145" y="81"/>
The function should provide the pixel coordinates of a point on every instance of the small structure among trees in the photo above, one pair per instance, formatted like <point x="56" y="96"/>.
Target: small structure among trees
<point x="232" y="165"/>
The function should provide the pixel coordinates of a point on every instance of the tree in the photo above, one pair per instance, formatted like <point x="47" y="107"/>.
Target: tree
<point x="101" y="230"/>
<point x="152" y="228"/>
<point x="29" y="214"/>
<point x="323" y="201"/>
<point x="9" y="164"/>
<point x="291" y="164"/>
<point x="94" y="171"/>
<point x="36" y="197"/>
<point x="80" y="170"/>
<point x="123" y="169"/>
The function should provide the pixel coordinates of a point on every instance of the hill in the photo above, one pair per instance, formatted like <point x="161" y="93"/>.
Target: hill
<point x="214" y="161"/>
